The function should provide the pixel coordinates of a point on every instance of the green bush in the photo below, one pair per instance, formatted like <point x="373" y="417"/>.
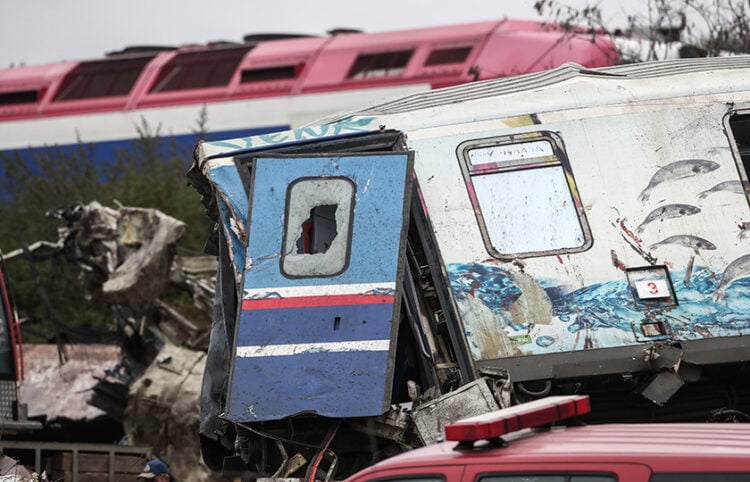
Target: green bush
<point x="150" y="173"/>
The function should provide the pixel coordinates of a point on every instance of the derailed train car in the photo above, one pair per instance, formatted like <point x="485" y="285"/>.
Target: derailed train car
<point x="393" y="269"/>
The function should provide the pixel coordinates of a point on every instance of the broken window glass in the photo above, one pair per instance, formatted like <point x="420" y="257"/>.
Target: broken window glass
<point x="317" y="231"/>
<point x="524" y="196"/>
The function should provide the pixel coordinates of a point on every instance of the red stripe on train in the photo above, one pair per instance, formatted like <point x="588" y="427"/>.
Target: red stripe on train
<point x="312" y="301"/>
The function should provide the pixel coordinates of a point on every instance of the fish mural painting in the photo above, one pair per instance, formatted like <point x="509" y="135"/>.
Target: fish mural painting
<point x="739" y="269"/>
<point x="677" y="170"/>
<point x="668" y="211"/>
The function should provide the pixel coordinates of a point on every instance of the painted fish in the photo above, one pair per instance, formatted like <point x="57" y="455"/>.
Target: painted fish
<point x="686" y="240"/>
<point x="677" y="170"/>
<point x="737" y="269"/>
<point x="667" y="212"/>
<point x="744" y="230"/>
<point x="735" y="186"/>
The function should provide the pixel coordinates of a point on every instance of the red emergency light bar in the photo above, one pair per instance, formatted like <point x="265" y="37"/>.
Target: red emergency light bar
<point x="491" y="425"/>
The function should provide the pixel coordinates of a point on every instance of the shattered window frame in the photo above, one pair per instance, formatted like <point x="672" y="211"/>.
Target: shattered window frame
<point x="334" y="260"/>
<point x="523" y="158"/>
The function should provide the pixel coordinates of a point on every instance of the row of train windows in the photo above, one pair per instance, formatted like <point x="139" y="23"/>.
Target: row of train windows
<point x="195" y="70"/>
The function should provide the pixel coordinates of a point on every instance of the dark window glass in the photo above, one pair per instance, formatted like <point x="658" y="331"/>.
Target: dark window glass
<point x="21" y="97"/>
<point x="195" y="70"/>
<point x="448" y="56"/>
<point x="387" y="64"/>
<point x="531" y="477"/>
<point x="106" y="78"/>
<point x="740" y="127"/>
<point x="424" y="478"/>
<point x="273" y="73"/>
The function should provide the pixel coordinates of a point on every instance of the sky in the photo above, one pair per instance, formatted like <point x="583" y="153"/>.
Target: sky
<point x="46" y="31"/>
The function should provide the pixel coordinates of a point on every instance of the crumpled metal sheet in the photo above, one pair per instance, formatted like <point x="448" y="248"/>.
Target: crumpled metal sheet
<point x="163" y="411"/>
<point x="147" y="240"/>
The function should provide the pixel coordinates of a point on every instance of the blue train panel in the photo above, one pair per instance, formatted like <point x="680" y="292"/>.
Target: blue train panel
<point x="316" y="329"/>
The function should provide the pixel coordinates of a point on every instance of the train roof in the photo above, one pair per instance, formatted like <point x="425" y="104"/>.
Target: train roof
<point x="569" y="86"/>
<point x="270" y="66"/>
<point x="707" y="69"/>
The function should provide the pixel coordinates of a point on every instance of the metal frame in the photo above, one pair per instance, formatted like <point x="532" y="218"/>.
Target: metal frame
<point x="75" y="449"/>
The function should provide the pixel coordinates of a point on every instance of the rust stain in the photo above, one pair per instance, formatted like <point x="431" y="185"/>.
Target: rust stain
<point x="616" y="261"/>
<point x="630" y="233"/>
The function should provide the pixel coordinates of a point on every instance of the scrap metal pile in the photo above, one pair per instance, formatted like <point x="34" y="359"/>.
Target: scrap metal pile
<point x="128" y="260"/>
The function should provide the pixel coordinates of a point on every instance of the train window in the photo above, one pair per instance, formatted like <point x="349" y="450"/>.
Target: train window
<point x="272" y="73"/>
<point x="386" y="64"/>
<point x="317" y="232"/>
<point x="739" y="125"/>
<point x="524" y="196"/>
<point x="19" y="97"/>
<point x="195" y="70"/>
<point x="448" y="56"/>
<point x="108" y="78"/>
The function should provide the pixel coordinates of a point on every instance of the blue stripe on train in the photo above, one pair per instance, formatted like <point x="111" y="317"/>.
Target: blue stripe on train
<point x="314" y="324"/>
<point x="286" y="385"/>
<point x="107" y="151"/>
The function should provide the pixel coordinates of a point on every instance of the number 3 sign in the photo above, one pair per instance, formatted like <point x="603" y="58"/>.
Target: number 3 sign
<point x="657" y="288"/>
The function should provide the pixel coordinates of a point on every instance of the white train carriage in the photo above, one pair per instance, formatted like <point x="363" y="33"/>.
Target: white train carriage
<point x="569" y="230"/>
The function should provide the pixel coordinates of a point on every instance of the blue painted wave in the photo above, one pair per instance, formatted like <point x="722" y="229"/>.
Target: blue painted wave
<point x="610" y="306"/>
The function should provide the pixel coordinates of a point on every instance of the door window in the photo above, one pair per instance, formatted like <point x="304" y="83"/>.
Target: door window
<point x="317" y="231"/>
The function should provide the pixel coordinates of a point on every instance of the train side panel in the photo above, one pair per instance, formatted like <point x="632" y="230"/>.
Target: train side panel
<point x="574" y="231"/>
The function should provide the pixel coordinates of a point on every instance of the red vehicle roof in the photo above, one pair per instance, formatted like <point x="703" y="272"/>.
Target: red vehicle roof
<point x="687" y="447"/>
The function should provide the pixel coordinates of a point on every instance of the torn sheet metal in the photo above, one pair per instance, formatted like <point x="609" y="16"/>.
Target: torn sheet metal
<point x="228" y="187"/>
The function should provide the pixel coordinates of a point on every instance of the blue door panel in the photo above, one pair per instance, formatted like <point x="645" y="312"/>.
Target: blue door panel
<point x="311" y="343"/>
<point x="284" y="386"/>
<point x="378" y="217"/>
<point x="299" y="325"/>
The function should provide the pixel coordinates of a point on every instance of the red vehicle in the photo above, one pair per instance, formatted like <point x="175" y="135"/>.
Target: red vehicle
<point x="518" y="444"/>
<point x="12" y="413"/>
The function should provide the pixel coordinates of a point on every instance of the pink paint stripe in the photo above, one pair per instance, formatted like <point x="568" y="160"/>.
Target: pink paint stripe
<point x="312" y="301"/>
